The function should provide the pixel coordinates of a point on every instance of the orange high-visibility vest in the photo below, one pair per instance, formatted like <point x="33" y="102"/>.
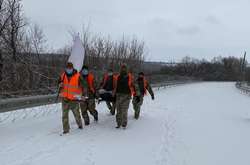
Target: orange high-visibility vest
<point x="71" y="88"/>
<point x="105" y="79"/>
<point x="90" y="80"/>
<point x="145" y="86"/>
<point x="130" y="83"/>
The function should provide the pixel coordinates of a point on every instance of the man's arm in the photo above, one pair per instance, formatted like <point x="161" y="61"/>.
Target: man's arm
<point x="150" y="90"/>
<point x="59" y="80"/>
<point x="83" y="85"/>
<point x="80" y="82"/>
<point x="115" y="85"/>
<point x="102" y="82"/>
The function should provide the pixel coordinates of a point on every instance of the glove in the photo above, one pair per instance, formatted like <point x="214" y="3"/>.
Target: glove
<point x="83" y="98"/>
<point x="102" y="91"/>
<point x="152" y="97"/>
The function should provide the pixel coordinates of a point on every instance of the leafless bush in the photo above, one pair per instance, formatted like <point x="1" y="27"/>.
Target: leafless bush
<point x="12" y="23"/>
<point x="21" y="45"/>
<point x="102" y="52"/>
<point x="26" y="67"/>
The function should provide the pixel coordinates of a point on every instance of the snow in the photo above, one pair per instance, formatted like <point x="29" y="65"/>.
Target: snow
<point x="194" y="124"/>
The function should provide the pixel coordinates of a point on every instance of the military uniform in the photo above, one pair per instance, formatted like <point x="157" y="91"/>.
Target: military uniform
<point x="89" y="104"/>
<point x="70" y="91"/>
<point x="123" y="90"/>
<point x="108" y="85"/>
<point x="141" y="88"/>
<point x="122" y="105"/>
<point x="68" y="105"/>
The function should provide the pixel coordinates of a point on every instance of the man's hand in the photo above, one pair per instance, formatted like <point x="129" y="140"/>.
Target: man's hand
<point x="60" y="85"/>
<point x="83" y="98"/>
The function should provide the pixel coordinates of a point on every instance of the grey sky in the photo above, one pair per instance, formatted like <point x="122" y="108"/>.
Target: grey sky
<point x="171" y="29"/>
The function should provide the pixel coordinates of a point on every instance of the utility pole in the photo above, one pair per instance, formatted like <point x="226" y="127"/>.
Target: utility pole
<point x="243" y="69"/>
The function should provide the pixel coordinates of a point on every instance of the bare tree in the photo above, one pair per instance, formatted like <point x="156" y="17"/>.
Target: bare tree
<point x="38" y="40"/>
<point x="3" y="22"/>
<point x="11" y="32"/>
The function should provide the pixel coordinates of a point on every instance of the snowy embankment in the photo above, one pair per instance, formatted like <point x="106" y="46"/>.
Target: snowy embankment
<point x="194" y="124"/>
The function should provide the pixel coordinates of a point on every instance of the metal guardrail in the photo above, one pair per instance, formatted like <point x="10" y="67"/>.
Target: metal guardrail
<point x="243" y="86"/>
<point x="13" y="104"/>
<point x="170" y="83"/>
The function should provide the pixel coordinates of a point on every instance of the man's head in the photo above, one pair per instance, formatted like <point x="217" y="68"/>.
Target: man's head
<point x="140" y="76"/>
<point x="69" y="68"/>
<point x="85" y="70"/>
<point x="110" y="71"/>
<point x="124" y="69"/>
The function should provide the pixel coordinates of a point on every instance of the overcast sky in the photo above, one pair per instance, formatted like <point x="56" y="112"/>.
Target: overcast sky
<point x="171" y="29"/>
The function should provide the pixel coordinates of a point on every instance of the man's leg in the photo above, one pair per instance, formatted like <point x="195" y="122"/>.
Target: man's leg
<point x="65" y="116"/>
<point x="119" y="111"/>
<point x="113" y="108"/>
<point x="92" y="110"/>
<point x="75" y="109"/>
<point x="125" y="107"/>
<point x="109" y="105"/>
<point x="84" y="111"/>
<point x="137" y="107"/>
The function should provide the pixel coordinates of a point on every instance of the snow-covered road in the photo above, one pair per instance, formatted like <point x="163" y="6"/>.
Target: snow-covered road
<point x="195" y="124"/>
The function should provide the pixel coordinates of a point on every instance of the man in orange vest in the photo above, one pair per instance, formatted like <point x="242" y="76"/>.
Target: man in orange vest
<point x="70" y="92"/>
<point x="141" y="88"/>
<point x="106" y="89"/>
<point x="123" y="89"/>
<point x="88" y="82"/>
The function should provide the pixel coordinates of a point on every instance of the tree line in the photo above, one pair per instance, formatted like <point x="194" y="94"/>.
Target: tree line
<point x="218" y="69"/>
<point x="27" y="66"/>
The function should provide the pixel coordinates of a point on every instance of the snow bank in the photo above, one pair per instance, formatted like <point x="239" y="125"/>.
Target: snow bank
<point x="195" y="124"/>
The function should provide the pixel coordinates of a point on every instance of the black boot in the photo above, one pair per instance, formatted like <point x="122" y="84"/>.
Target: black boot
<point x="65" y="132"/>
<point x="80" y="127"/>
<point x="137" y="115"/>
<point x="96" y="118"/>
<point x="112" y="113"/>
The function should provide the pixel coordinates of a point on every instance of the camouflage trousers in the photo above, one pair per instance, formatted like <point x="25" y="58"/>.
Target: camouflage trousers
<point x="86" y="106"/>
<point x="122" y="106"/>
<point x="68" y="105"/>
<point x="111" y="107"/>
<point x="137" y="103"/>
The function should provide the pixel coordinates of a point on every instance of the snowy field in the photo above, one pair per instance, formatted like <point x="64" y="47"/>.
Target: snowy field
<point x="195" y="124"/>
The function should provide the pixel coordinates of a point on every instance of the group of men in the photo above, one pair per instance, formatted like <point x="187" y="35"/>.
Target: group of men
<point x="79" y="92"/>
